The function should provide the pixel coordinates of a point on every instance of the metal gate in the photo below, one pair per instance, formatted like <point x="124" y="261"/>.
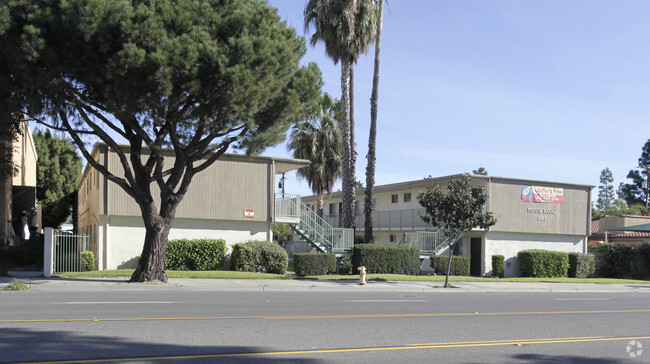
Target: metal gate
<point x="67" y="251"/>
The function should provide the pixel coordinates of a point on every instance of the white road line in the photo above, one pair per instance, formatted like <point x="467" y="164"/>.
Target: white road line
<point x="387" y="301"/>
<point x="583" y="299"/>
<point x="112" y="303"/>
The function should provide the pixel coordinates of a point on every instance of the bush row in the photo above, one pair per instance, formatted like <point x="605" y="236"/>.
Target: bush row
<point x="581" y="265"/>
<point x="498" y="269"/>
<point x="543" y="263"/>
<point x="314" y="264"/>
<point x="459" y="265"/>
<point x="259" y="256"/>
<point x="622" y="261"/>
<point x="195" y="254"/>
<point x="387" y="258"/>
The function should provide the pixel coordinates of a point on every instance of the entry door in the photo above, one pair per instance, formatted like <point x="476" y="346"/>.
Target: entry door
<point x="475" y="257"/>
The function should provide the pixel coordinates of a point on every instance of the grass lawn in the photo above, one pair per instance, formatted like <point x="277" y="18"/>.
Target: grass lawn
<point x="222" y="274"/>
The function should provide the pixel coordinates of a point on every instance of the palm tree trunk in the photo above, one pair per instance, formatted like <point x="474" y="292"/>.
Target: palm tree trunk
<point x="348" y="176"/>
<point x="319" y="204"/>
<point x="372" y="139"/>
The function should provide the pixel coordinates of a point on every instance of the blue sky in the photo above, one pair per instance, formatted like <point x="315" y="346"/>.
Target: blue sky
<point x="544" y="90"/>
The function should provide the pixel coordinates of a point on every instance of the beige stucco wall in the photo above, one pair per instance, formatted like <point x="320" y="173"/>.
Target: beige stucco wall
<point x="611" y="222"/>
<point x="214" y="206"/>
<point x="509" y="244"/>
<point x="24" y="157"/>
<point x="571" y="217"/>
<point x="123" y="236"/>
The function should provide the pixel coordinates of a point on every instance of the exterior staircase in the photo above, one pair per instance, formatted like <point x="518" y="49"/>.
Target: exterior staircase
<point x="429" y="242"/>
<point x="312" y="228"/>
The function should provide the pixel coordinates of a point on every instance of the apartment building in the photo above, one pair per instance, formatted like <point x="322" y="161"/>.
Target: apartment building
<point x="530" y="215"/>
<point x="233" y="199"/>
<point x="18" y="191"/>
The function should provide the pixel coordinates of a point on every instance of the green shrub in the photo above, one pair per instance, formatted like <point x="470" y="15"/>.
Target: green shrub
<point x="314" y="264"/>
<point x="459" y="265"/>
<point x="345" y="265"/>
<point x="87" y="261"/>
<point x="618" y="261"/>
<point x="20" y="255"/>
<point x="259" y="256"/>
<point x="644" y="256"/>
<point x="581" y="265"/>
<point x="16" y="285"/>
<point x="358" y="239"/>
<point x="387" y="258"/>
<point x="543" y="263"/>
<point x="497" y="266"/>
<point x="195" y="254"/>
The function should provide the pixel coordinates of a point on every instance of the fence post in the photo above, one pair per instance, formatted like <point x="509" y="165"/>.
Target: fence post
<point x="48" y="250"/>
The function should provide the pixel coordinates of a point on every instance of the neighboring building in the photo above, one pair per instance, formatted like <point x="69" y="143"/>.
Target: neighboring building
<point x="18" y="192"/>
<point x="602" y="230"/>
<point x="233" y="199"/>
<point x="530" y="215"/>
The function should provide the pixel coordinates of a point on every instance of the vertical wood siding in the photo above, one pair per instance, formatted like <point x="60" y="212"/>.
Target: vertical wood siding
<point x="223" y="191"/>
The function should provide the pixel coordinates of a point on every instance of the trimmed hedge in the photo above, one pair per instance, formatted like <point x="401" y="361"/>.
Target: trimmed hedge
<point x="345" y="265"/>
<point x="259" y="256"/>
<point x="314" y="264"/>
<point x="581" y="265"/>
<point x="543" y="263"/>
<point x="622" y="261"/>
<point x="498" y="269"/>
<point x="459" y="265"/>
<point x="644" y="255"/>
<point x="195" y="254"/>
<point x="387" y="258"/>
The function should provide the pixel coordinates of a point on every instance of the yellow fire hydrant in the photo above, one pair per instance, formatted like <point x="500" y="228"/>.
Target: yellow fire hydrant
<point x="362" y="275"/>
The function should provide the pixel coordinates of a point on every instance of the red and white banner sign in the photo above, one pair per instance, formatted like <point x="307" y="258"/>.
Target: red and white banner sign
<point x="542" y="194"/>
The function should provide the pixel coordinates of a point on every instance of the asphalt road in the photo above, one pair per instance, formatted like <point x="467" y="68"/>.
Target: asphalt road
<point x="357" y="327"/>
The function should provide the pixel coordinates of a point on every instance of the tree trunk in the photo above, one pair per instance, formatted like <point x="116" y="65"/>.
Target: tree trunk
<point x="151" y="266"/>
<point x="451" y="252"/>
<point x="347" y="210"/>
<point x="319" y="204"/>
<point x="372" y="139"/>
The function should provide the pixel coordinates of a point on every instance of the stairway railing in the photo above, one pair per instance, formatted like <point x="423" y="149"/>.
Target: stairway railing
<point x="428" y="242"/>
<point x="313" y="227"/>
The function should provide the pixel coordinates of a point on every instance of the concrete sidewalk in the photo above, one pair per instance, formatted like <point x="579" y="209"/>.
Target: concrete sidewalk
<point x="252" y="285"/>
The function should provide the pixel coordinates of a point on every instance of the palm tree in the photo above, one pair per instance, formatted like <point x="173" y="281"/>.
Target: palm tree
<point x="372" y="139"/>
<point x="319" y="141"/>
<point x="346" y="27"/>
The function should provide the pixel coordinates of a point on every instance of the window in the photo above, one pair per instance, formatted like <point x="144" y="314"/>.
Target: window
<point x="392" y="238"/>
<point x="393" y="199"/>
<point x="332" y="209"/>
<point x="407" y="197"/>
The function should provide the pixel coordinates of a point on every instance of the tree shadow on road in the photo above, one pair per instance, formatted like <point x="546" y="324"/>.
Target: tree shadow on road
<point x="27" y="345"/>
<point x="562" y="359"/>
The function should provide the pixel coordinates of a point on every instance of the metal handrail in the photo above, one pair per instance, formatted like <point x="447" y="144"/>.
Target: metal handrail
<point x="333" y="239"/>
<point x="429" y="242"/>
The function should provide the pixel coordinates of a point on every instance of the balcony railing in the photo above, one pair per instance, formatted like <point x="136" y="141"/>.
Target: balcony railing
<point x="408" y="219"/>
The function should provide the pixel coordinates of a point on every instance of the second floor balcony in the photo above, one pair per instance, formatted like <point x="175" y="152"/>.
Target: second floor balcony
<point x="406" y="220"/>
